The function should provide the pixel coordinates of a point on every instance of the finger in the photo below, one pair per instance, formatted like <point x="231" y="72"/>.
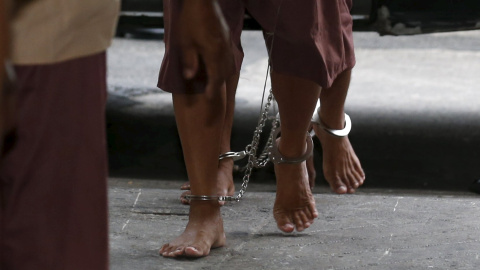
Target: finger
<point x="216" y="60"/>
<point x="216" y="78"/>
<point x="190" y="62"/>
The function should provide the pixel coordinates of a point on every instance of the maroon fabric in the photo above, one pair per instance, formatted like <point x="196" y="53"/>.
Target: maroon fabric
<point x="313" y="38"/>
<point x="53" y="183"/>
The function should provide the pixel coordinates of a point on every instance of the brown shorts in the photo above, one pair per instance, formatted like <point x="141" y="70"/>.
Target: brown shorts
<point x="53" y="188"/>
<point x="312" y="38"/>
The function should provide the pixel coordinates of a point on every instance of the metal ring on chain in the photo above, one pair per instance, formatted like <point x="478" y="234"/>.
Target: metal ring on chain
<point x="201" y="198"/>
<point x="209" y="198"/>
<point x="277" y="158"/>
<point x="233" y="155"/>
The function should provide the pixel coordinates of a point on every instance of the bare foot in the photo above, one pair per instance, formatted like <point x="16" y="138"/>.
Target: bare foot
<point x="225" y="184"/>
<point x="294" y="203"/>
<point x="204" y="231"/>
<point x="341" y="166"/>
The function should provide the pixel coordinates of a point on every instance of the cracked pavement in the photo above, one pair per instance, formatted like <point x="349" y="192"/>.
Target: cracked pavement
<point x="374" y="229"/>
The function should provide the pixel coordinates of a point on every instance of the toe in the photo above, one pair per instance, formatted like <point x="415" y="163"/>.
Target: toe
<point x="298" y="220"/>
<point x="163" y="249"/>
<point x="178" y="252"/>
<point x="340" y="189"/>
<point x="359" y="176"/>
<point x="284" y="221"/>
<point x="358" y="171"/>
<point x="361" y="179"/>
<point x="288" y="227"/>
<point x="306" y="221"/>
<point x="195" y="252"/>
<point x="313" y="211"/>
<point x="284" y="224"/>
<point x="182" y="197"/>
<point x="354" y="182"/>
<point x="337" y="185"/>
<point x="185" y="186"/>
<point x="310" y="213"/>
<point x="353" y="187"/>
<point x="166" y="250"/>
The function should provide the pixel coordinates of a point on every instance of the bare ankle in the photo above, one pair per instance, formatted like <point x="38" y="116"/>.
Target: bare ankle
<point x="226" y="164"/>
<point x="204" y="207"/>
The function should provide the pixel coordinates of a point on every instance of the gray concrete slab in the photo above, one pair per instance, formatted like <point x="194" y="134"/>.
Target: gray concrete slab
<point x="374" y="229"/>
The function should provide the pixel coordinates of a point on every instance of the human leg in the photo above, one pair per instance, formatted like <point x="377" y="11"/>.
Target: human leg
<point x="169" y="79"/>
<point x="294" y="204"/>
<point x="209" y="115"/>
<point x="317" y="46"/>
<point x="201" y="149"/>
<point x="225" y="184"/>
<point x="341" y="166"/>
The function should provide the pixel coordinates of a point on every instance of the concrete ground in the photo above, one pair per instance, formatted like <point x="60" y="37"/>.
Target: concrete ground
<point x="415" y="105"/>
<point x="373" y="229"/>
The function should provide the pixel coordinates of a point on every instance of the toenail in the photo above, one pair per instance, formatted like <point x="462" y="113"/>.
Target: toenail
<point x="195" y="249"/>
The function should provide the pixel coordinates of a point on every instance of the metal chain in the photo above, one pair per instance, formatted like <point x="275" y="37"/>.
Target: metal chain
<point x="251" y="149"/>
<point x="263" y="159"/>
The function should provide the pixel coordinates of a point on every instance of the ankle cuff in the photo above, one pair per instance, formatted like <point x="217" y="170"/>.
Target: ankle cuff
<point x="335" y="132"/>
<point x="276" y="157"/>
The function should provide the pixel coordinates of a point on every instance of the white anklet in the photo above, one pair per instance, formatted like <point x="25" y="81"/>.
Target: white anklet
<point x="335" y="132"/>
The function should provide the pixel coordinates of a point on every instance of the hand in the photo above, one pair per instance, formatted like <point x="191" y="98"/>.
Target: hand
<point x="204" y="36"/>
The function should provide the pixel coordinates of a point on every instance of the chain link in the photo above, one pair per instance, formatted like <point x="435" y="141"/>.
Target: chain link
<point x="251" y="152"/>
<point x="251" y="149"/>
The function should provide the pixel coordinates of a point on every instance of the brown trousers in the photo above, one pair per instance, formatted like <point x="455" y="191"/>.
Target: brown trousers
<point x="53" y="212"/>
<point x="312" y="39"/>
